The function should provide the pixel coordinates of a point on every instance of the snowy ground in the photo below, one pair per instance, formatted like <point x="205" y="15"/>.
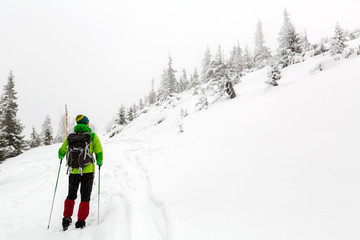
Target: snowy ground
<point x="127" y="210"/>
<point x="272" y="164"/>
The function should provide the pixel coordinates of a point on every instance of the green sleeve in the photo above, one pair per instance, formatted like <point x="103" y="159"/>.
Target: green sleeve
<point x="98" y="150"/>
<point x="63" y="149"/>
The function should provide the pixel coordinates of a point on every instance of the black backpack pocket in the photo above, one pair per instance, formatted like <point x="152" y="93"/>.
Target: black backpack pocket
<point x="78" y="155"/>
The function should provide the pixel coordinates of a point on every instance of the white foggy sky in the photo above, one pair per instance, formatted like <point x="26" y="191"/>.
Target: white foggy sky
<point x="96" y="55"/>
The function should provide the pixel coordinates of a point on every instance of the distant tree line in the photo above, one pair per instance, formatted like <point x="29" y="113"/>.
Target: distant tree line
<point x="12" y="142"/>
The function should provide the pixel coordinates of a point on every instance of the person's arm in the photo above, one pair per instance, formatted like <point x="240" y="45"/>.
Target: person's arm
<point x="63" y="149"/>
<point x="98" y="150"/>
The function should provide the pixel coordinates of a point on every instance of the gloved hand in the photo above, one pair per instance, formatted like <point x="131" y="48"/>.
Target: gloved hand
<point x="61" y="155"/>
<point x="99" y="162"/>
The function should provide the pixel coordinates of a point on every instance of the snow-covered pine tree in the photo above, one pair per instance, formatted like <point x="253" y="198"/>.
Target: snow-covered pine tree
<point x="130" y="115"/>
<point x="47" y="131"/>
<point x="184" y="82"/>
<point x="163" y="91"/>
<point x="11" y="143"/>
<point x="262" y="54"/>
<point x="141" y="104"/>
<point x="60" y="136"/>
<point x="205" y="64"/>
<point x="231" y="60"/>
<point x="2" y="149"/>
<point x="337" y="43"/>
<point x="219" y="75"/>
<point x="136" y="111"/>
<point x="152" y="94"/>
<point x="168" y="81"/>
<point x="238" y="63"/>
<point x="191" y="82"/>
<point x="305" y="45"/>
<point x="248" y="59"/>
<point x="146" y="100"/>
<point x="274" y="75"/>
<point x="121" y="119"/>
<point x="289" y="43"/>
<point x="196" y="80"/>
<point x="35" y="140"/>
<point x="235" y="64"/>
<point x="2" y="140"/>
<point x="239" y="60"/>
<point x="216" y="68"/>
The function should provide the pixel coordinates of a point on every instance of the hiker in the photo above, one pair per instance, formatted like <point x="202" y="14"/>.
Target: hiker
<point x="79" y="148"/>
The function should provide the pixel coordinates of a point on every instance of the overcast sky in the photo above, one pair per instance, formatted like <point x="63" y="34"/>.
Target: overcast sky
<point x="96" y="55"/>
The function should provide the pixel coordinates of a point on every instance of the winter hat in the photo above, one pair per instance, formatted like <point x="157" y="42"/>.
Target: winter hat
<point x="81" y="119"/>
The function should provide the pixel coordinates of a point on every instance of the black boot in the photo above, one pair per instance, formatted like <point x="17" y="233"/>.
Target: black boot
<point x="66" y="223"/>
<point x="80" y="224"/>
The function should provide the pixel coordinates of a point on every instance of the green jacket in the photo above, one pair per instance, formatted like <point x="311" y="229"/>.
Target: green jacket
<point x="95" y="148"/>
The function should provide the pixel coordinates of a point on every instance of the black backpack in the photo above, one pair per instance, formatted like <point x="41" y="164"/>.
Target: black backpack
<point x="78" y="154"/>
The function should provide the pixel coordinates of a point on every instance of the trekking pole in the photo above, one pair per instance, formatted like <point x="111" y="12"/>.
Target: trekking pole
<point x="52" y="205"/>
<point x="99" y="197"/>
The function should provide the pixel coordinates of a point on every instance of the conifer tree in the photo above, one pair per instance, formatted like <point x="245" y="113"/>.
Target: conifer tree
<point x="191" y="81"/>
<point x="11" y="143"/>
<point x="121" y="120"/>
<point x="2" y="148"/>
<point x="195" y="78"/>
<point x="289" y="43"/>
<point x="130" y="115"/>
<point x="146" y="100"/>
<point x="47" y="132"/>
<point x="184" y="82"/>
<point x="305" y="45"/>
<point x="35" y="140"/>
<point x="168" y="81"/>
<point x="261" y="52"/>
<point x="216" y="68"/>
<point x="239" y="60"/>
<point x="274" y="75"/>
<point x="135" y="109"/>
<point x="231" y="60"/>
<point x="2" y="140"/>
<point x="141" y="104"/>
<point x="60" y="136"/>
<point x="152" y="94"/>
<point x="205" y="64"/>
<point x="248" y="60"/>
<point x="337" y="43"/>
<point x="235" y="63"/>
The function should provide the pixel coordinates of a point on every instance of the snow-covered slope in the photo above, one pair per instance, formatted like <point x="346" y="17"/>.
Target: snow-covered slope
<point x="279" y="163"/>
<point x="274" y="163"/>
